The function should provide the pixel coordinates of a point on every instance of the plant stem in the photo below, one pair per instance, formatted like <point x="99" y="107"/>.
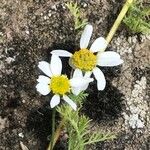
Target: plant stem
<point x="109" y="37"/>
<point x="118" y="21"/>
<point x="53" y="126"/>
<point x="56" y="135"/>
<point x="53" y="129"/>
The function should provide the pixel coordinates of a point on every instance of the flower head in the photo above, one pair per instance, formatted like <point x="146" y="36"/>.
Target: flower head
<point x="59" y="84"/>
<point x="80" y="58"/>
<point x="87" y="60"/>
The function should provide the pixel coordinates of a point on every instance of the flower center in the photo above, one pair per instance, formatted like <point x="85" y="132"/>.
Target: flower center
<point x="84" y="60"/>
<point x="60" y="84"/>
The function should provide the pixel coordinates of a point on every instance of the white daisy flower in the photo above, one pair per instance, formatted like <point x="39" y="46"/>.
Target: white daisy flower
<point x="87" y="60"/>
<point x="59" y="84"/>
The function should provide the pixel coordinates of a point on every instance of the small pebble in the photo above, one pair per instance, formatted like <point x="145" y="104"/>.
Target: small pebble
<point x="130" y="40"/>
<point x="27" y="32"/>
<point x="21" y="135"/>
<point x="49" y="14"/>
<point x="54" y="7"/>
<point x="134" y="39"/>
<point x="45" y="17"/>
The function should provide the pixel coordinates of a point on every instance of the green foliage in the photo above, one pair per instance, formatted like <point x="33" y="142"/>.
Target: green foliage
<point x="79" y="98"/>
<point x="74" y="9"/>
<point x="137" y="18"/>
<point x="78" y="126"/>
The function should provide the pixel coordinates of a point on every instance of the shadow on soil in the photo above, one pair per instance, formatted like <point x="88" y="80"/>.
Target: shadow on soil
<point x="39" y="120"/>
<point x="39" y="123"/>
<point x="100" y="106"/>
<point x="105" y="105"/>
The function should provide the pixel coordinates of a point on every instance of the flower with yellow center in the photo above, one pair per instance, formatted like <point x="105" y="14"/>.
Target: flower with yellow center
<point x="80" y="58"/>
<point x="59" y="84"/>
<point x="87" y="60"/>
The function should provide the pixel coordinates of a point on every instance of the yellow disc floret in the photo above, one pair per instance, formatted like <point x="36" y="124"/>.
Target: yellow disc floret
<point x="60" y="84"/>
<point x="84" y="60"/>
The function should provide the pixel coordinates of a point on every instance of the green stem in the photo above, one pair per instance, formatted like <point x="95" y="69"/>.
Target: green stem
<point x="118" y="21"/>
<point x="58" y="131"/>
<point x="53" y="128"/>
<point x="56" y="135"/>
<point x="99" y="140"/>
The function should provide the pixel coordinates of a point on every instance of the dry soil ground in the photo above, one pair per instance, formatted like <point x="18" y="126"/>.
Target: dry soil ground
<point x="29" y="30"/>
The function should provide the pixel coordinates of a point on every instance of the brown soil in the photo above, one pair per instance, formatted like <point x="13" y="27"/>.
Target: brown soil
<point x="29" y="30"/>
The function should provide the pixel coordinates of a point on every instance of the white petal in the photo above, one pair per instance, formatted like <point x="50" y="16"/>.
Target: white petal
<point x="87" y="74"/>
<point x="86" y="35"/>
<point x="77" y="73"/>
<point x="43" y="79"/>
<point x="109" y="58"/>
<point x="87" y="77"/>
<point x="62" y="53"/>
<point x="76" y="91"/>
<point x="56" y="65"/>
<point x="84" y="87"/>
<point x="45" y="67"/>
<point x="55" y="101"/>
<point x="101" y="82"/>
<point x="70" y="102"/>
<point x="99" y="44"/>
<point x="80" y="82"/>
<point x="88" y="80"/>
<point x="43" y="88"/>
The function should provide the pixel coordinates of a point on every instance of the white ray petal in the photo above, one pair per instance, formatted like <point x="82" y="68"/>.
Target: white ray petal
<point x="77" y="73"/>
<point x="76" y="91"/>
<point x="109" y="58"/>
<point x="43" y="88"/>
<point x="84" y="87"/>
<point x="62" y="53"/>
<point x="55" y="101"/>
<point x="45" y="67"/>
<point x="98" y="45"/>
<point x="101" y="82"/>
<point x="43" y="79"/>
<point x="88" y="74"/>
<point x="85" y="37"/>
<point x="70" y="102"/>
<point x="56" y="65"/>
<point x="78" y="82"/>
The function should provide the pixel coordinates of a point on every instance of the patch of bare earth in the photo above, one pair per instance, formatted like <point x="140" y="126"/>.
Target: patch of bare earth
<point x="29" y="30"/>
